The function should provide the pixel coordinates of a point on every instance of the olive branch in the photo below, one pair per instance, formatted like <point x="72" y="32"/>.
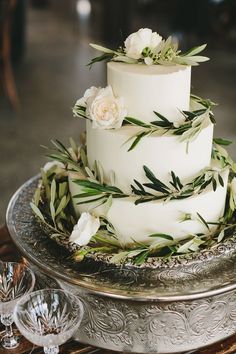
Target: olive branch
<point x="163" y="246"/>
<point x="176" y="189"/>
<point x="189" y="128"/>
<point x="166" y="53"/>
<point x="52" y="204"/>
<point x="95" y="187"/>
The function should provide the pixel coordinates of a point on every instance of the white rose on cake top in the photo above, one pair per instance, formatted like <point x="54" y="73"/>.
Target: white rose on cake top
<point x="148" y="47"/>
<point x="85" y="229"/>
<point x="142" y="40"/>
<point x="101" y="107"/>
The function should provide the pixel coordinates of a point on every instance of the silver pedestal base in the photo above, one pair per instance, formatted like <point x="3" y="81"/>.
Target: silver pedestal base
<point x="155" y="327"/>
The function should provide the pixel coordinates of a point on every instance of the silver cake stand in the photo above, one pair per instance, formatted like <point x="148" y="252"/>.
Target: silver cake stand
<point x="166" y="306"/>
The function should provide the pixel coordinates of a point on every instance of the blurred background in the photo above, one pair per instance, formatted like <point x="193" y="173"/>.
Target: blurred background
<point x="43" y="55"/>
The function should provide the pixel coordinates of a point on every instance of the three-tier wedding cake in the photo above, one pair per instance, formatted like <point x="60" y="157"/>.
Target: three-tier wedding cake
<point x="149" y="178"/>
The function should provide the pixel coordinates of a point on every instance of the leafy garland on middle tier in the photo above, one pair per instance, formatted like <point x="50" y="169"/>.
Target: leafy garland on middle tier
<point x="188" y="128"/>
<point x="97" y="190"/>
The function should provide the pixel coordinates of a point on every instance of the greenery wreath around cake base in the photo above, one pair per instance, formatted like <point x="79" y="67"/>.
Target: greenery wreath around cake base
<point x="53" y="205"/>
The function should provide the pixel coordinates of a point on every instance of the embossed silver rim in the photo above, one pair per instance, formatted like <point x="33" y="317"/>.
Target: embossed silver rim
<point x="222" y="286"/>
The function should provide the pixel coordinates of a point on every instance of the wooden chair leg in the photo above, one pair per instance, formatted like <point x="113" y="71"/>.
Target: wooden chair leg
<point x="9" y="84"/>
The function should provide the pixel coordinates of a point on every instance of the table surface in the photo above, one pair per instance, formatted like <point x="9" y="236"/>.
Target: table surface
<point x="8" y="252"/>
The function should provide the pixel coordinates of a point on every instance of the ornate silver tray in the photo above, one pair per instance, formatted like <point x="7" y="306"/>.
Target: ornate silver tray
<point x="166" y="307"/>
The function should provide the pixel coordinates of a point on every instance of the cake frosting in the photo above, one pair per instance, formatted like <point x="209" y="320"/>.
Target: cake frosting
<point x="161" y="153"/>
<point x="143" y="90"/>
<point x="165" y="89"/>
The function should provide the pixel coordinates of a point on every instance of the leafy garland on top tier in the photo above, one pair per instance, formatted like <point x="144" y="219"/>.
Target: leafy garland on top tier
<point x="147" y="47"/>
<point x="188" y="128"/>
<point x="52" y="204"/>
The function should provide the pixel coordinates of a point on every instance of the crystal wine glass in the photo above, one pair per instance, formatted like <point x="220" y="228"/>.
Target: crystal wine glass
<point x="16" y="280"/>
<point x="48" y="317"/>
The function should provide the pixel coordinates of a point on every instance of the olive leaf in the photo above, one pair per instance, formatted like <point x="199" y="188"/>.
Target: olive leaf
<point x="37" y="211"/>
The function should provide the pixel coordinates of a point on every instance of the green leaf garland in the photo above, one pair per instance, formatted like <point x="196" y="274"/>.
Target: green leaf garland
<point x="166" y="53"/>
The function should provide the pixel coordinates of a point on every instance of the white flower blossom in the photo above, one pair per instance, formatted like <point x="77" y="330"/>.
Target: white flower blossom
<point x="105" y="110"/>
<point x="92" y="91"/>
<point x="136" y="42"/>
<point x="85" y="229"/>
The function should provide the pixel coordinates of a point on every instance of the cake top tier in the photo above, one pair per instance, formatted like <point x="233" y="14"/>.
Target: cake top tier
<point x="146" y="89"/>
<point x="147" y="47"/>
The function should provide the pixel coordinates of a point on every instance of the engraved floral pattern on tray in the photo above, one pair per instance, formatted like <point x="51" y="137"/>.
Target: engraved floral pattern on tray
<point x="159" y="326"/>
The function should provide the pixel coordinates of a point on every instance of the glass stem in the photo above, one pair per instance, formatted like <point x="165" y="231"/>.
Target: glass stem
<point x="51" y="350"/>
<point x="9" y="331"/>
<point x="7" y="321"/>
<point x="9" y="340"/>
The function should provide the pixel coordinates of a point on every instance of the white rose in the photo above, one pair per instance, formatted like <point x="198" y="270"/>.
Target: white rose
<point x="105" y="110"/>
<point x="136" y="42"/>
<point x="51" y="164"/>
<point x="92" y="91"/>
<point x="85" y="229"/>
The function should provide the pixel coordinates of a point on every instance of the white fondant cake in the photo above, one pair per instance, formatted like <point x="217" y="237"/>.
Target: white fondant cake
<point x="175" y="182"/>
<point x="161" y="153"/>
<point x="165" y="89"/>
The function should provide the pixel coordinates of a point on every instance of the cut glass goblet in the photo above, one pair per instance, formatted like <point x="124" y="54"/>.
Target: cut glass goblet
<point x="48" y="318"/>
<point x="16" y="280"/>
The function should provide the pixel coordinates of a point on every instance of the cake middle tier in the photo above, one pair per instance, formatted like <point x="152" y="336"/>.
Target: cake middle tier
<point x="161" y="153"/>
<point x="137" y="222"/>
<point x="165" y="89"/>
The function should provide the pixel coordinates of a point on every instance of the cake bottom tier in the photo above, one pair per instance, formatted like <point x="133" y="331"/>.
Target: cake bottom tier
<point x="137" y="222"/>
